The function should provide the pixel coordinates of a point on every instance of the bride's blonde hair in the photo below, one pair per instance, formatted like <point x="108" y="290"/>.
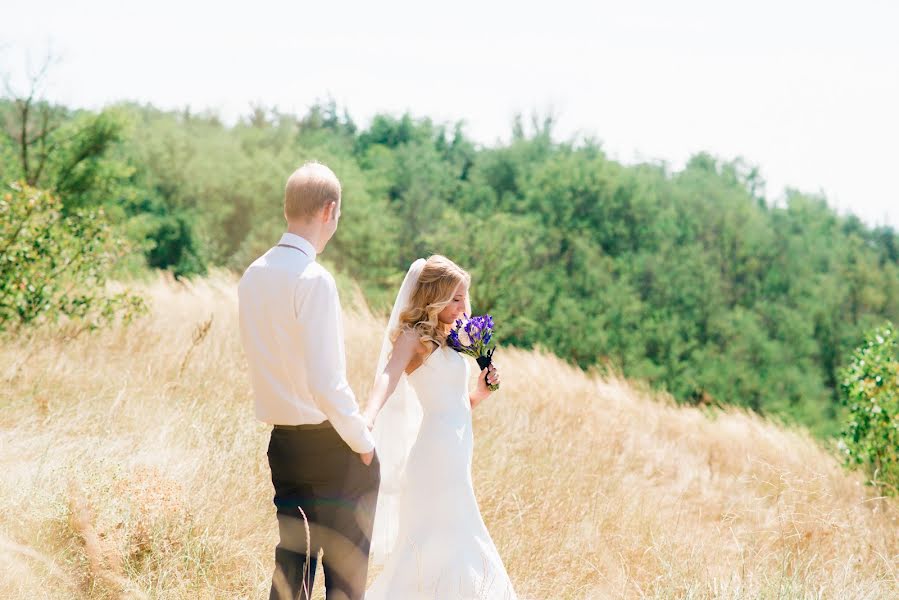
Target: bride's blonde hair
<point x="434" y="291"/>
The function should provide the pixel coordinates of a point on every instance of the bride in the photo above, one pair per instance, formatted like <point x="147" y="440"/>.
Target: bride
<point x="429" y="534"/>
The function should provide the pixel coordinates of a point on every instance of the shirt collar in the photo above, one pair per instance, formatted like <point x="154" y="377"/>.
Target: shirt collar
<point x="291" y="239"/>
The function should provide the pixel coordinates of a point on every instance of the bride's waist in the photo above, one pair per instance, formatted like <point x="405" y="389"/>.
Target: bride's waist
<point x="449" y="420"/>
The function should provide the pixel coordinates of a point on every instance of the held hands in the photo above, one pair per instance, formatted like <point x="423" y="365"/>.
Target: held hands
<point x="370" y="423"/>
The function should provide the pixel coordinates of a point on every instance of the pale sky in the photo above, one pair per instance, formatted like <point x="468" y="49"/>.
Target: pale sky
<point x="806" y="90"/>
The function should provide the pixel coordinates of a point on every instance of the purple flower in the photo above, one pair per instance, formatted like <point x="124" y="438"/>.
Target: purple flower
<point x="471" y="336"/>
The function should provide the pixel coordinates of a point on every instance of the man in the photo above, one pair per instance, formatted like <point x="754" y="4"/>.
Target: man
<point x="321" y="453"/>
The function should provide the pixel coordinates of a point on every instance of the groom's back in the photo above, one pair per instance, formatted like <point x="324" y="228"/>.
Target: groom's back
<point x="271" y="330"/>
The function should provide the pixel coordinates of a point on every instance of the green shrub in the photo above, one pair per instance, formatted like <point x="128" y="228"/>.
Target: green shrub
<point x="870" y="384"/>
<point x="54" y="265"/>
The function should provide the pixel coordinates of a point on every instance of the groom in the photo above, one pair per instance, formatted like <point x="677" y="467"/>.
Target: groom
<point x="321" y="454"/>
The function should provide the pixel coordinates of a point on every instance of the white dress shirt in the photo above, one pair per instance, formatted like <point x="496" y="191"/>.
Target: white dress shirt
<point x="292" y="333"/>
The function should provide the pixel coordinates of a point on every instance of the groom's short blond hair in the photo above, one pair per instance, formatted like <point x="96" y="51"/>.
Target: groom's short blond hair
<point x="309" y="189"/>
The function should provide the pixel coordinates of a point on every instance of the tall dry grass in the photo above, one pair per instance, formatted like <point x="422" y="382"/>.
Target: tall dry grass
<point x="131" y="466"/>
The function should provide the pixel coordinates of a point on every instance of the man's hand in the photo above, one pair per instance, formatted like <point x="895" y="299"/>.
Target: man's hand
<point x="367" y="457"/>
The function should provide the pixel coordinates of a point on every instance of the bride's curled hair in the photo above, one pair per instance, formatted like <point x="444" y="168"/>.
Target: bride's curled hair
<point x="438" y="281"/>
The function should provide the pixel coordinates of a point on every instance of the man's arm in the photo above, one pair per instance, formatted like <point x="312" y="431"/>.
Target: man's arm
<point x="318" y="314"/>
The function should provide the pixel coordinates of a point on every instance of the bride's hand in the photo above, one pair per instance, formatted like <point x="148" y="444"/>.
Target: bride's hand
<point x="490" y="376"/>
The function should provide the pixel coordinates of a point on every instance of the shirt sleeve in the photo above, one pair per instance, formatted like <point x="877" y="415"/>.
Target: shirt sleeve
<point x="321" y="337"/>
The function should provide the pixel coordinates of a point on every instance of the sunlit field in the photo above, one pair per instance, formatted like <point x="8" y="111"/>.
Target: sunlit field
<point x="131" y="466"/>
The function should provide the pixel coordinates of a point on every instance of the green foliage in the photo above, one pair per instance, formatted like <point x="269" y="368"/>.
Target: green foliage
<point x="690" y="280"/>
<point x="76" y="155"/>
<point x="66" y="152"/>
<point x="870" y="385"/>
<point x="80" y="170"/>
<point x="54" y="264"/>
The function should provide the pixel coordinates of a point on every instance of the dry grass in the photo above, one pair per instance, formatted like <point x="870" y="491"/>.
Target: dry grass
<point x="124" y="475"/>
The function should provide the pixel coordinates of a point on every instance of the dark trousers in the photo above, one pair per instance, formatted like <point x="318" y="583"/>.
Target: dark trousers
<point x="314" y="470"/>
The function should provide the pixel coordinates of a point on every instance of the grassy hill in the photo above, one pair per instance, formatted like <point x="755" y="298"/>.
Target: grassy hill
<point x="131" y="466"/>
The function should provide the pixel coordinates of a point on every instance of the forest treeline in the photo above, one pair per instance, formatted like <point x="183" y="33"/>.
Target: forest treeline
<point x="690" y="279"/>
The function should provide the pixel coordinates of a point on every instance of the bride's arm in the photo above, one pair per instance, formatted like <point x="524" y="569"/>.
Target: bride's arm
<point x="405" y="349"/>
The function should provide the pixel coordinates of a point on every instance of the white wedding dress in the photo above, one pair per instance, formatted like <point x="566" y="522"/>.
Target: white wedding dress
<point x="443" y="550"/>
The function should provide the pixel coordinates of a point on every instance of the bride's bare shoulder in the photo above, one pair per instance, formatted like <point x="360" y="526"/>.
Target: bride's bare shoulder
<point x="408" y="343"/>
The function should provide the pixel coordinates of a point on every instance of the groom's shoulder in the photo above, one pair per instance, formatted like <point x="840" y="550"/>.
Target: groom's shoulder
<point x="316" y="274"/>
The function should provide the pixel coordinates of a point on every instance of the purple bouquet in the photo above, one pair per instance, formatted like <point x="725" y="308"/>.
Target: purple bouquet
<point x="471" y="336"/>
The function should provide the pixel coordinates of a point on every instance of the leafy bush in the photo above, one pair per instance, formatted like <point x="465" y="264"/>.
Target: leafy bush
<point x="54" y="265"/>
<point x="870" y="384"/>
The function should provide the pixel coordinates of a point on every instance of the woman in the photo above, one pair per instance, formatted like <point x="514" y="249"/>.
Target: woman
<point x="428" y="532"/>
